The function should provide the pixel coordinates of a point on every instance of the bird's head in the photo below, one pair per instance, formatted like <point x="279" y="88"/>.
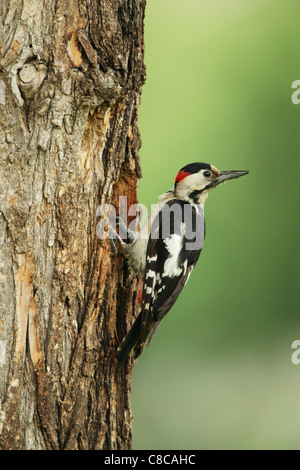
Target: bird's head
<point x="194" y="181"/>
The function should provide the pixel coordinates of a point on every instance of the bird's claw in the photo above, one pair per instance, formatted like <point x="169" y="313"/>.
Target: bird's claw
<point x="130" y="235"/>
<point x="113" y="235"/>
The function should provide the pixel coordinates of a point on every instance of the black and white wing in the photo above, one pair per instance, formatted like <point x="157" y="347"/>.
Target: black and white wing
<point x="177" y="237"/>
<point x="171" y="257"/>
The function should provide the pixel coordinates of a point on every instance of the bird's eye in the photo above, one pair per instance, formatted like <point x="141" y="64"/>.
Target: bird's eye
<point x="207" y="173"/>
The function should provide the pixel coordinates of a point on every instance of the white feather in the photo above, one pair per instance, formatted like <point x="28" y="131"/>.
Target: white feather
<point x="174" y="246"/>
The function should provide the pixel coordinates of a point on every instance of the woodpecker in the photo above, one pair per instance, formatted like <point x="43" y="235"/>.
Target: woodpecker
<point x="166" y="250"/>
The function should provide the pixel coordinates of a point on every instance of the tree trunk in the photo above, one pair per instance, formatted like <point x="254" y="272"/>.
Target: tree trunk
<point x="71" y="74"/>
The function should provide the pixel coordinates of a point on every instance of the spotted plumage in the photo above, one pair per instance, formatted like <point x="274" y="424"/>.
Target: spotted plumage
<point x="168" y="263"/>
<point x="166" y="257"/>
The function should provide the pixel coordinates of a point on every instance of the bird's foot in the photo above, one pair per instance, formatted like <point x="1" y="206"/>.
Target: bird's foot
<point x="130" y="235"/>
<point x="123" y="230"/>
<point x="113" y="235"/>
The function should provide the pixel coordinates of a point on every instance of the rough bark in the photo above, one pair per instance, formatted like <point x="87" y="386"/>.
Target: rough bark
<point x="71" y="73"/>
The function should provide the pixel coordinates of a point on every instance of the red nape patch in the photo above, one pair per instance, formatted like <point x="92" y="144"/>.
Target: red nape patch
<point x="181" y="175"/>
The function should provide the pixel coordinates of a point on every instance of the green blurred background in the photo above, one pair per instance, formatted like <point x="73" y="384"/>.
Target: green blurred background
<point x="218" y="374"/>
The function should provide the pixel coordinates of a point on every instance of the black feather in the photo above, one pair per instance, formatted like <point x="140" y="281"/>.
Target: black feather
<point x="195" y="167"/>
<point x="160" y="291"/>
<point x="129" y="341"/>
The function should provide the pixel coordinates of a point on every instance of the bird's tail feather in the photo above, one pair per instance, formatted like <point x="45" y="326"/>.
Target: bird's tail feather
<point x="129" y="342"/>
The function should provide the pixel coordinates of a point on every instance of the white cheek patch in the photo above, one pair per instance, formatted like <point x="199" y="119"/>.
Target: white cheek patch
<point x="196" y="180"/>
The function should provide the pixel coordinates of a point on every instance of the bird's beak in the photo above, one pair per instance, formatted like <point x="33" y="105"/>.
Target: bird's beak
<point x="229" y="175"/>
